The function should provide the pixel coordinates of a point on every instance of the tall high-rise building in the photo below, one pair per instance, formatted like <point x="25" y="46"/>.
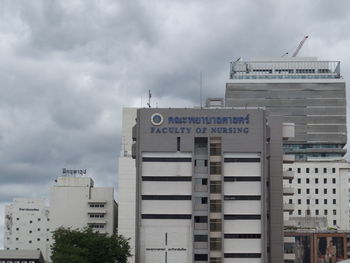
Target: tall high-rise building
<point x="207" y="186"/>
<point x="311" y="94"/>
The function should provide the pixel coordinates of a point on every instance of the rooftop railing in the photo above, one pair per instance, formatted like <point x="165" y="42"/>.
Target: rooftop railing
<point x="285" y="70"/>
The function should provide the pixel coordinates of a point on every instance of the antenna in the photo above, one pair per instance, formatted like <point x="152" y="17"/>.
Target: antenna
<point x="200" y="88"/>
<point x="149" y="98"/>
<point x="285" y="54"/>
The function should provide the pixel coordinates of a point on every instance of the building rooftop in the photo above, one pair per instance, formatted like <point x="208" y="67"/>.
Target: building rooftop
<point x="21" y="254"/>
<point x="285" y="68"/>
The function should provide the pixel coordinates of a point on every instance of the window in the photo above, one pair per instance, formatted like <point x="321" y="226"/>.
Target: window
<point x="324" y="170"/>
<point x="205" y="181"/>
<point x="200" y="238"/>
<point x="201" y="219"/>
<point x="215" y="243"/>
<point x="30" y="241"/>
<point x="38" y="239"/>
<point x="316" y="170"/>
<point x="307" y="212"/>
<point x="317" y="212"/>
<point x="299" y="191"/>
<point x="299" y="212"/>
<point x="307" y="191"/>
<point x="289" y="169"/>
<point x="39" y="219"/>
<point x="307" y="201"/>
<point x="334" y="222"/>
<point x="316" y="180"/>
<point x="30" y="231"/>
<point x="334" y="211"/>
<point x="215" y="206"/>
<point x="47" y="239"/>
<point x="333" y="180"/>
<point x="307" y="180"/>
<point x="334" y="201"/>
<point x="299" y="170"/>
<point x="201" y="257"/>
<point x="291" y="201"/>
<point x="316" y="201"/>
<point x="17" y="228"/>
<point x="204" y="200"/>
<point x="17" y="218"/>
<point x="333" y="170"/>
<point x="215" y="225"/>
<point x="325" y="201"/>
<point x="334" y="191"/>
<point x="47" y="229"/>
<point x="325" y="212"/>
<point x="324" y="180"/>
<point x="30" y="221"/>
<point x="178" y="140"/>
<point x="215" y="187"/>
<point x="299" y="181"/>
<point x="16" y="238"/>
<point x="316" y="190"/>
<point x="325" y="190"/>
<point x="290" y="181"/>
<point x="215" y="167"/>
<point x="299" y="201"/>
<point x="307" y="170"/>
<point x="38" y="229"/>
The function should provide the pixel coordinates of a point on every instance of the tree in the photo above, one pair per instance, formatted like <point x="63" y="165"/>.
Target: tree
<point x="86" y="246"/>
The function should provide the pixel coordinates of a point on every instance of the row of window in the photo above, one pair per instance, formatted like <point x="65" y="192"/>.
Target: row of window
<point x="317" y="212"/>
<point x="31" y="231"/>
<point x="316" y="191"/>
<point x="204" y="257"/>
<point x="97" y="205"/>
<point x="199" y="219"/>
<point x="31" y="221"/>
<point x="316" y="170"/>
<point x="316" y="180"/>
<point x="30" y="241"/>
<point x="325" y="201"/>
<point x="97" y="215"/>
<point x="17" y="261"/>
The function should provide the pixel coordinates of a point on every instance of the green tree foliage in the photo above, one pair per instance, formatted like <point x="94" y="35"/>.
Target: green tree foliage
<point x="86" y="246"/>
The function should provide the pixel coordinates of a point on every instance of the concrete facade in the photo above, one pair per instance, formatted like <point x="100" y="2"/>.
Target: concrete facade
<point x="209" y="186"/>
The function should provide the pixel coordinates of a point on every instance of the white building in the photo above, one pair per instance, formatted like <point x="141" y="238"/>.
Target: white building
<point x="76" y="203"/>
<point x="27" y="225"/>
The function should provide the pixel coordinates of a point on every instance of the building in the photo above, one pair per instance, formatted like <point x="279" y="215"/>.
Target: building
<point x="310" y="94"/>
<point x="27" y="225"/>
<point x="203" y="192"/>
<point x="21" y="256"/>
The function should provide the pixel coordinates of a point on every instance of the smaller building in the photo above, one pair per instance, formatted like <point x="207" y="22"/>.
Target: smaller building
<point x="26" y="225"/>
<point x="21" y="256"/>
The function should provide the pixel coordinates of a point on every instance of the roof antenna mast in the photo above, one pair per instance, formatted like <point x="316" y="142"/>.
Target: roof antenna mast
<point x="200" y="88"/>
<point x="149" y="98"/>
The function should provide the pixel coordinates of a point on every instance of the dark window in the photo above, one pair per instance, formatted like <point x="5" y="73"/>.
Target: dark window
<point x="215" y="149"/>
<point x="316" y="191"/>
<point x="299" y="181"/>
<point x="166" y="197"/>
<point x="325" y="191"/>
<point x="200" y="238"/>
<point x="325" y="212"/>
<point x="178" y="142"/>
<point x="325" y="201"/>
<point x="307" y="201"/>
<point x="308" y="212"/>
<point x="30" y="221"/>
<point x="334" y="211"/>
<point x="289" y="169"/>
<point x="167" y="178"/>
<point x="299" y="201"/>
<point x="299" y="170"/>
<point x="334" y="190"/>
<point x="334" y="201"/>
<point x="242" y="197"/>
<point x="38" y="239"/>
<point x="290" y="181"/>
<point x="215" y="225"/>
<point x="215" y="187"/>
<point x="299" y="191"/>
<point x="291" y="201"/>
<point x="38" y="229"/>
<point x="204" y="200"/>
<point x="307" y="180"/>
<point x="334" y="222"/>
<point x="316" y="170"/>
<point x="316" y="180"/>
<point x="307" y="170"/>
<point x="242" y="236"/>
<point x="201" y="219"/>
<point x="324" y="180"/>
<point x="333" y="181"/>
<point x="242" y="255"/>
<point x="30" y="241"/>
<point x="308" y="191"/>
<point x="324" y="170"/>
<point x="299" y="212"/>
<point x="166" y="159"/>
<point x="242" y="178"/>
<point x="166" y="216"/>
<point x="317" y="212"/>
<point x="200" y="257"/>
<point x="16" y="238"/>
<point x="17" y="228"/>
<point x="215" y="167"/>
<point x="215" y="206"/>
<point x="333" y="170"/>
<point x="316" y="201"/>
<point x="241" y="160"/>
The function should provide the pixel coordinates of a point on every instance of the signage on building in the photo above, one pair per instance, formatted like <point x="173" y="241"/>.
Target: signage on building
<point x="73" y="172"/>
<point x="228" y="124"/>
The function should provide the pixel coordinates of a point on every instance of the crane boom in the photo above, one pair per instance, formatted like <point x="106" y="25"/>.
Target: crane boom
<point x="300" y="46"/>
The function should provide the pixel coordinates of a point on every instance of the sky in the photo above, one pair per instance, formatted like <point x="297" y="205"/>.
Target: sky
<point x="68" y="67"/>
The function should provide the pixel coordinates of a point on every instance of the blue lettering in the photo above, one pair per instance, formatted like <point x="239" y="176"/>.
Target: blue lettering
<point x="152" y="129"/>
<point x="246" y="130"/>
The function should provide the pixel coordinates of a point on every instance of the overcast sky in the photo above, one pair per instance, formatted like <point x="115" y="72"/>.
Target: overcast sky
<point x="67" y="68"/>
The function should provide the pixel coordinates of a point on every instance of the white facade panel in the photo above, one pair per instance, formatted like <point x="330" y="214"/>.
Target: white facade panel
<point x="166" y="207"/>
<point x="166" y="244"/>
<point x="242" y="207"/>
<point x="166" y="188"/>
<point x="242" y="245"/>
<point x="242" y="169"/>
<point x="242" y="226"/>
<point x="167" y="169"/>
<point x="242" y="188"/>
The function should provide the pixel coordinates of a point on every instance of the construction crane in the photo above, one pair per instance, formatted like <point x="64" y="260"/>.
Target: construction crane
<point x="300" y="46"/>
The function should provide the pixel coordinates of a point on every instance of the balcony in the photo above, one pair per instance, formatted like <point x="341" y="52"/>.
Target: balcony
<point x="288" y="190"/>
<point x="288" y="175"/>
<point x="288" y="158"/>
<point x="288" y="207"/>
